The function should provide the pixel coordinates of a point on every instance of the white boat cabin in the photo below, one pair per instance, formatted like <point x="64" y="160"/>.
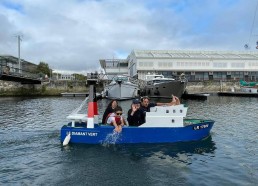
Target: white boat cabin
<point x="165" y="116"/>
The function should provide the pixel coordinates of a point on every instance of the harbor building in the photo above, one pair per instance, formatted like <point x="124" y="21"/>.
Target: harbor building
<point x="63" y="76"/>
<point x="113" y="67"/>
<point x="196" y="65"/>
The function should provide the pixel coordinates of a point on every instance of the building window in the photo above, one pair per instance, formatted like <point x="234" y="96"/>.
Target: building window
<point x="198" y="76"/>
<point x="150" y="64"/>
<point x="205" y="76"/>
<point x="219" y="65"/>
<point x="237" y="65"/>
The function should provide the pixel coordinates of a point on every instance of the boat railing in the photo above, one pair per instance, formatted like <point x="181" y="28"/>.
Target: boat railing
<point x="141" y="83"/>
<point x="181" y="77"/>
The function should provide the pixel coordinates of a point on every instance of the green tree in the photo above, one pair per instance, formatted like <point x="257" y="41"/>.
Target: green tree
<point x="80" y="77"/>
<point x="43" y="68"/>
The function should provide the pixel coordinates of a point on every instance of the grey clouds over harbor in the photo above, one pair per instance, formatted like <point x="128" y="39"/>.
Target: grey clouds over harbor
<point x="74" y="35"/>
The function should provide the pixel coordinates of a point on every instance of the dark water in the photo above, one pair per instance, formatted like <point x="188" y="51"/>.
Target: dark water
<point x="31" y="153"/>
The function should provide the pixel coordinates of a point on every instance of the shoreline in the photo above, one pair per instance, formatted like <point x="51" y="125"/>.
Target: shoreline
<point x="56" y="88"/>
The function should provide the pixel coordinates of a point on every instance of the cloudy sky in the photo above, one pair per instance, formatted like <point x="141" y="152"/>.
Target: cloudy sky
<point x="72" y="35"/>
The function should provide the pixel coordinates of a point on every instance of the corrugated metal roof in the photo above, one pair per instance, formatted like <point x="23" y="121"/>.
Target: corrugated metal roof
<point x="194" y="54"/>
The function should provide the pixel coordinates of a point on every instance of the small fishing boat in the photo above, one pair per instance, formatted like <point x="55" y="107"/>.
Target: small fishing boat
<point x="121" y="88"/>
<point x="159" y="86"/>
<point x="164" y="124"/>
<point x="248" y="87"/>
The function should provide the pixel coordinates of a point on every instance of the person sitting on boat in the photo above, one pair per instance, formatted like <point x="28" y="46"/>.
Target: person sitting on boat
<point x="110" y="109"/>
<point x="116" y="119"/>
<point x="146" y="105"/>
<point x="135" y="117"/>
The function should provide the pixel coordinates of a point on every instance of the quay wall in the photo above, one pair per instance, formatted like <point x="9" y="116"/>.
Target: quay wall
<point x="50" y="88"/>
<point x="212" y="86"/>
<point x="55" y="88"/>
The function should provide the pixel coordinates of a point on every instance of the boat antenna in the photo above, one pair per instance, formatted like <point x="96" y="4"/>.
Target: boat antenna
<point x="251" y="32"/>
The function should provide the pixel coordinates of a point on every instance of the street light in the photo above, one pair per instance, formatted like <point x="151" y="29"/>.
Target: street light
<point x="19" y="52"/>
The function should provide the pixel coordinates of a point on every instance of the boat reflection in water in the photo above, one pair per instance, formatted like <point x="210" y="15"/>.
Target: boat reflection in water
<point x="162" y="150"/>
<point x="173" y="150"/>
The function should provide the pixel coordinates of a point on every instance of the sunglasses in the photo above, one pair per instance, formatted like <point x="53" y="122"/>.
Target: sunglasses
<point x="119" y="113"/>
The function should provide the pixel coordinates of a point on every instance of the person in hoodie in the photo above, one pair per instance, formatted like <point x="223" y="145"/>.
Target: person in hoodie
<point x="135" y="117"/>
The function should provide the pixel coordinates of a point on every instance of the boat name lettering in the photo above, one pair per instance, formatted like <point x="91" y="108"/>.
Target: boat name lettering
<point x="201" y="127"/>
<point x="84" y="133"/>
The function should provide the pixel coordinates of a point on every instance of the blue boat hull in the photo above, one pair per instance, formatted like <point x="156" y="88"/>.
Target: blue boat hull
<point x="104" y="134"/>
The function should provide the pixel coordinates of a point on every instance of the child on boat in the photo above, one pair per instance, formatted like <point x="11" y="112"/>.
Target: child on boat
<point x="116" y="119"/>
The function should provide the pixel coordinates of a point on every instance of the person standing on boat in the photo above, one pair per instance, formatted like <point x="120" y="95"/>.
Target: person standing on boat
<point x="135" y="117"/>
<point x="146" y="105"/>
<point x="116" y="119"/>
<point x="110" y="109"/>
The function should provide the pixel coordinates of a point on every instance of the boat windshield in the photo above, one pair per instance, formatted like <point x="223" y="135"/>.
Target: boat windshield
<point x="151" y="77"/>
<point x="157" y="81"/>
<point x="162" y="80"/>
<point x="120" y="78"/>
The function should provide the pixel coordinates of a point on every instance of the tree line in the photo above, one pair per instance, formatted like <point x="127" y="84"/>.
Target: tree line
<point x="43" y="69"/>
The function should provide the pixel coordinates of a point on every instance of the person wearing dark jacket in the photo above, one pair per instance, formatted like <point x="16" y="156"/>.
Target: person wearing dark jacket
<point x="110" y="109"/>
<point x="146" y="105"/>
<point x="135" y="117"/>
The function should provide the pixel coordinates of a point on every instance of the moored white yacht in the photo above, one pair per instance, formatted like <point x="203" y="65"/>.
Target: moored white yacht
<point x="121" y="89"/>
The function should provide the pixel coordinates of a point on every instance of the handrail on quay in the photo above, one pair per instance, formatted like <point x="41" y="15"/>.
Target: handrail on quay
<point x="8" y="73"/>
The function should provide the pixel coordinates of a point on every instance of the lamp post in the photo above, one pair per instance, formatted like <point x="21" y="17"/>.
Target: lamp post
<point x="19" y="53"/>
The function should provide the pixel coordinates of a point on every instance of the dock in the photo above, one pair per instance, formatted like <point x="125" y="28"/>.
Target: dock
<point x="198" y="96"/>
<point x="238" y="94"/>
<point x="70" y="94"/>
<point x="80" y="94"/>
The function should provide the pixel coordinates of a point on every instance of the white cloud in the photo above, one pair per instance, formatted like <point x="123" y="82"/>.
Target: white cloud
<point x="74" y="35"/>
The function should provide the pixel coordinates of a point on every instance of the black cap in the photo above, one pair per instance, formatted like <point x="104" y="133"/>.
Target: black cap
<point x="136" y="101"/>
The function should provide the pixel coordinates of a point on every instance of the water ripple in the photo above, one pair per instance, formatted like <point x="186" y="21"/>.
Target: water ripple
<point x="31" y="152"/>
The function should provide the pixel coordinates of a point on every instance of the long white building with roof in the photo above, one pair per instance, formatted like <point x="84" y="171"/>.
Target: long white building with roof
<point x="196" y="65"/>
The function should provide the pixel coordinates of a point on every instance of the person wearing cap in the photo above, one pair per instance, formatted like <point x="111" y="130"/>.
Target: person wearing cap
<point x="135" y="117"/>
